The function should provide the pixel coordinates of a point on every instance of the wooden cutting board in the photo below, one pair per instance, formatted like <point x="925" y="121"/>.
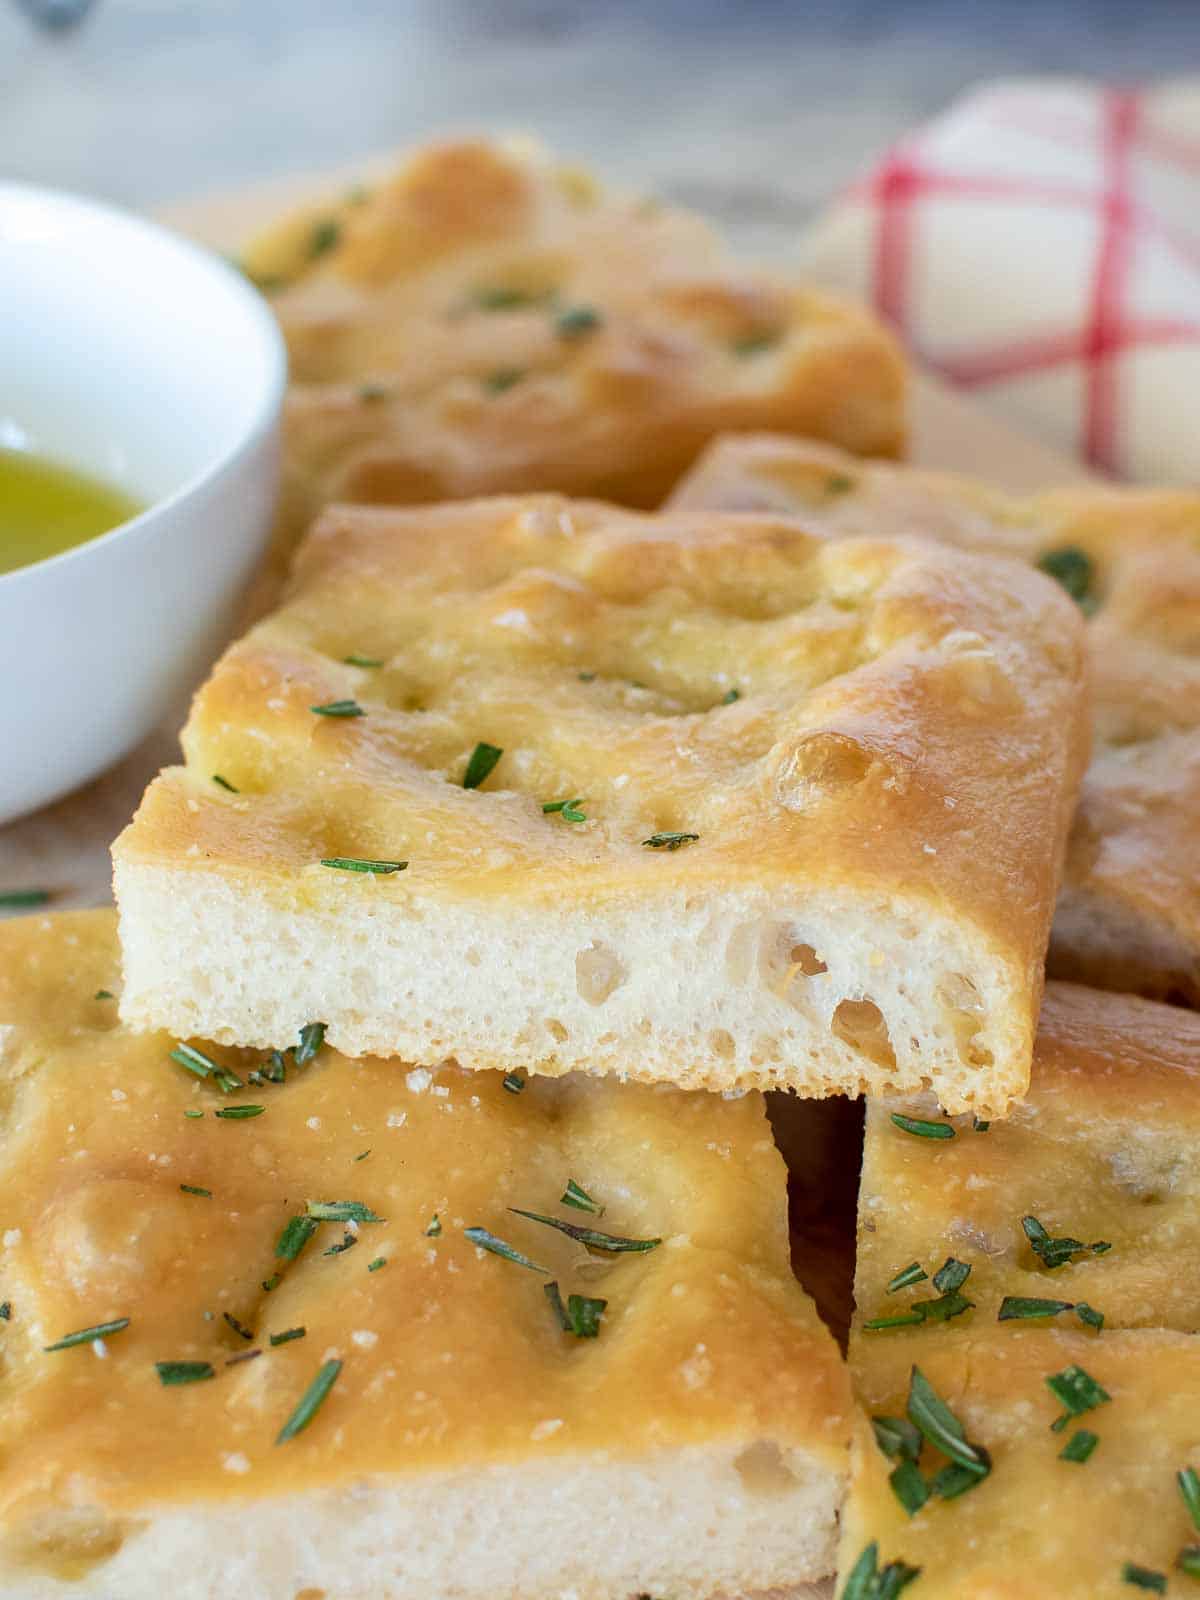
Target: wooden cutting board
<point x="64" y="849"/>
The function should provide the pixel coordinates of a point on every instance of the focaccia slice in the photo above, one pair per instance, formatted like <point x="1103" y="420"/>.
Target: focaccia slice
<point x="1016" y="1267"/>
<point x="1101" y="1155"/>
<point x="771" y="810"/>
<point x="1082" y="1501"/>
<point x="487" y="319"/>
<point x="179" y="1269"/>
<point x="1129" y="915"/>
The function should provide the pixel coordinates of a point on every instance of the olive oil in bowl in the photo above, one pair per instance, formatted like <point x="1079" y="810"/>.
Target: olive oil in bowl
<point x="46" y="508"/>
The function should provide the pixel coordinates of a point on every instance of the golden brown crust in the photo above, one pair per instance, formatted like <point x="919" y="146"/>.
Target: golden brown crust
<point x="451" y="1356"/>
<point x="1037" y="1526"/>
<point x="1098" y="1152"/>
<point x="883" y="690"/>
<point x="1129" y="917"/>
<point x="431" y="359"/>
<point x="1100" y="1155"/>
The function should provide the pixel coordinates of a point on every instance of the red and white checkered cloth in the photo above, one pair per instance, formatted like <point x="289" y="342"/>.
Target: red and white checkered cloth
<point x="1039" y="244"/>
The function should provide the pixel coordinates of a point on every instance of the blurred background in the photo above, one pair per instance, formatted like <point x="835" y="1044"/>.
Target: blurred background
<point x="752" y="109"/>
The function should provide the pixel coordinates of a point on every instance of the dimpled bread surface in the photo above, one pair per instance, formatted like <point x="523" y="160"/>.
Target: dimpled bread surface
<point x="488" y="319"/>
<point x="824" y="788"/>
<point x="1129" y="915"/>
<point x="695" y="1445"/>
<point x="1097" y="1167"/>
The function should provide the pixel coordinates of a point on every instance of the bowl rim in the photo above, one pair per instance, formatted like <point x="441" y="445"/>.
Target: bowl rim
<point x="232" y="282"/>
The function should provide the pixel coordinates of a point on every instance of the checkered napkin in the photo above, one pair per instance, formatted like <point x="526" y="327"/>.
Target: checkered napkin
<point x="1039" y="245"/>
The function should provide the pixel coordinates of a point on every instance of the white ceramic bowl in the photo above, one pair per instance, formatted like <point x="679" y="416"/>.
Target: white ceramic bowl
<point x="136" y="356"/>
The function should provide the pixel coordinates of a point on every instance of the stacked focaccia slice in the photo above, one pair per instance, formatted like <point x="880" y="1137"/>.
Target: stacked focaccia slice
<point x="543" y="785"/>
<point x="1129" y="915"/>
<point x="1024" y="1347"/>
<point x="290" y="1325"/>
<point x="488" y="319"/>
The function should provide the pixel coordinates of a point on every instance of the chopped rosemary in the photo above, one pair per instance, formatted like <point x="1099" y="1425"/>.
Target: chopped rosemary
<point x="567" y="809"/>
<point x="288" y="1335"/>
<point x="243" y="1355"/>
<point x="838" y="483"/>
<point x="338" y="708"/>
<point x="1079" y="1446"/>
<point x="324" y="237"/>
<point x="897" y="1438"/>
<point x="1188" y="1560"/>
<point x="371" y="394"/>
<point x="1077" y="1391"/>
<point x="514" y="1082"/>
<point x="310" y="1402"/>
<point x="101" y="1330"/>
<point x="734" y="694"/>
<point x="577" y="320"/>
<point x="1189" y="1487"/>
<point x="580" y="1316"/>
<point x="951" y="1275"/>
<point x="434" y="1230"/>
<point x="239" y="1113"/>
<point x="191" y="1188"/>
<point x="909" y="1486"/>
<point x="949" y="1279"/>
<point x="171" y="1373"/>
<point x="869" y="1581"/>
<point x="224" y="783"/>
<point x="296" y="1234"/>
<point x="1143" y="1578"/>
<point x="1089" y="1316"/>
<point x="275" y="1068"/>
<point x="928" y="1412"/>
<point x="1020" y="1308"/>
<point x="979" y="1125"/>
<point x="586" y="677"/>
<point x="900" y="1319"/>
<point x="913" y="1273"/>
<point x="922" y="1129"/>
<point x="104" y="994"/>
<point x="23" y="899"/>
<point x="361" y="1156"/>
<point x="193" y="1113"/>
<point x="379" y="1261"/>
<point x="377" y="869"/>
<point x="503" y="378"/>
<point x="489" y="1241"/>
<point x="272" y="1282"/>
<point x="340" y="1211"/>
<point x="611" y="1243"/>
<point x="1074" y="569"/>
<point x="362" y="661"/>
<point x="202" y="1066"/>
<point x="349" y="1240"/>
<point x="312" y="1037"/>
<point x="1054" y="1253"/>
<point x="481" y="764"/>
<point x="238" y="1328"/>
<point x="573" y="1195"/>
<point x="669" y="841"/>
<point x="753" y="344"/>
<point x="503" y="299"/>
<point x="5" y="1310"/>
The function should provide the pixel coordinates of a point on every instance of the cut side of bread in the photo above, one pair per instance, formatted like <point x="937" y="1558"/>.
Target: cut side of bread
<point x="488" y="319"/>
<point x="1128" y="917"/>
<point x="768" y="809"/>
<point x="560" y="1344"/>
